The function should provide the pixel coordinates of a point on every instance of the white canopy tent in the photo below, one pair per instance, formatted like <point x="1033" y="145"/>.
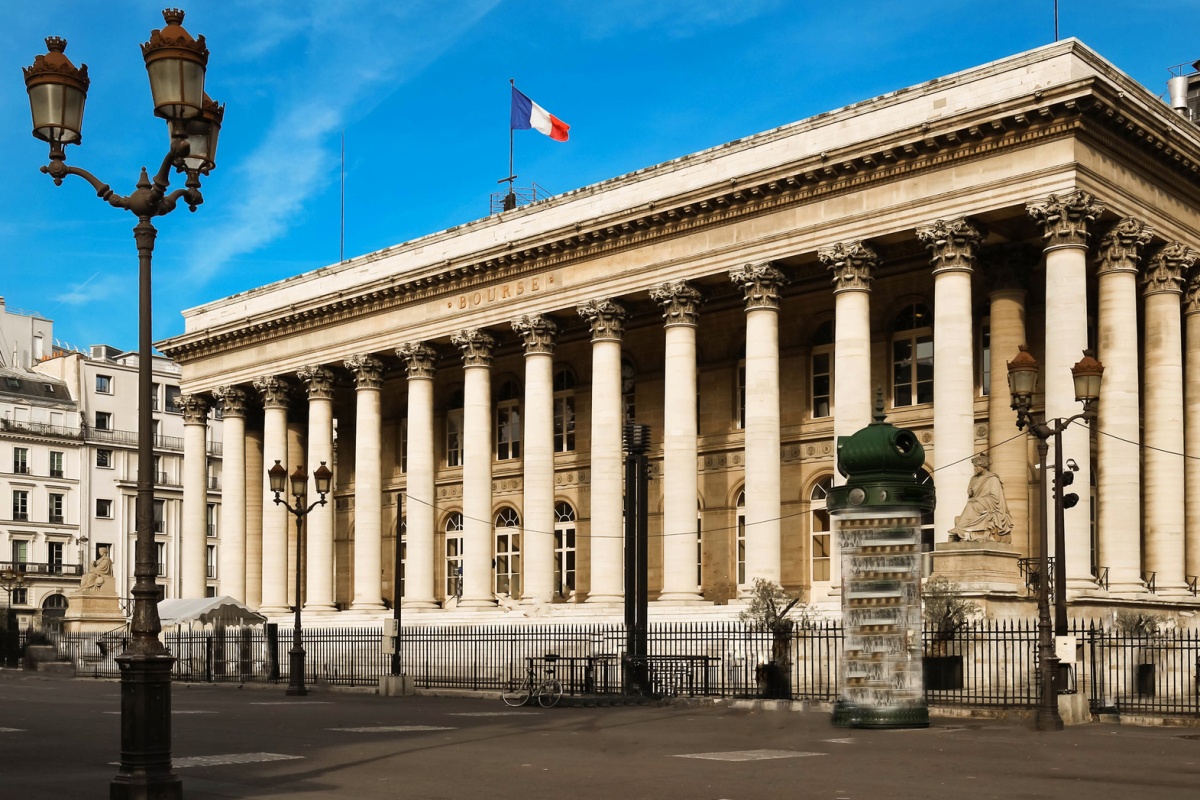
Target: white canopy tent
<point x="207" y="611"/>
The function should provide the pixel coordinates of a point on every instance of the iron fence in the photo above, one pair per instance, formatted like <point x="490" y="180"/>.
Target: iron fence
<point x="992" y="663"/>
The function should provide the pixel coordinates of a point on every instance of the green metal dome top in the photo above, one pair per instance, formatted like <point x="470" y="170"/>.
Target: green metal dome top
<point x="882" y="466"/>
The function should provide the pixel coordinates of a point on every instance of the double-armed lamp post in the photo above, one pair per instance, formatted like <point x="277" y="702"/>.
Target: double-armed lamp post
<point x="1022" y="382"/>
<point x="322" y="479"/>
<point x="176" y="64"/>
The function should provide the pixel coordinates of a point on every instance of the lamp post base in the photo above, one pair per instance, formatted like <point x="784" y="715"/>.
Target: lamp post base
<point x="145" y="772"/>
<point x="296" y="686"/>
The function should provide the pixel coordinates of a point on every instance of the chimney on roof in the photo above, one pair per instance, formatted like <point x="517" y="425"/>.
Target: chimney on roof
<point x="1184" y="90"/>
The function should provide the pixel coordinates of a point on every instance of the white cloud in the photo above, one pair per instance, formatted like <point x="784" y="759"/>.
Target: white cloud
<point x="96" y="288"/>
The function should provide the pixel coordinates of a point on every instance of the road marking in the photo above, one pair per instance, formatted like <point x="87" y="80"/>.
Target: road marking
<point x="494" y="714"/>
<point x="839" y="741"/>
<point x="12" y="730"/>
<point x="749" y="755"/>
<point x="232" y="758"/>
<point x="295" y="703"/>
<point x="395" y="729"/>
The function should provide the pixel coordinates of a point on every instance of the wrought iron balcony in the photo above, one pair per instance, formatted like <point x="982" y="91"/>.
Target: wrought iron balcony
<point x="35" y="569"/>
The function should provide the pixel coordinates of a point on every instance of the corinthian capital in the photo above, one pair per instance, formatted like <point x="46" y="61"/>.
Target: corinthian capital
<point x="851" y="264"/>
<point x="275" y="391"/>
<point x="1121" y="246"/>
<point x="537" y="332"/>
<point x="420" y="360"/>
<point x="194" y="407"/>
<point x="319" y="381"/>
<point x="954" y="244"/>
<point x="680" y="302"/>
<point x="1191" y="301"/>
<point x="606" y="318"/>
<point x="476" y="347"/>
<point x="367" y="369"/>
<point x="233" y="400"/>
<point x="1065" y="220"/>
<point x="1166" y="269"/>
<point x="761" y="284"/>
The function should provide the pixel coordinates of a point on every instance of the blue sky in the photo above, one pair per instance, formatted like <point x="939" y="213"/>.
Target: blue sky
<point x="421" y="90"/>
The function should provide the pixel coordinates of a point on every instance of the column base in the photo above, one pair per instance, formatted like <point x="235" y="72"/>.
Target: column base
<point x="605" y="598"/>
<point x="366" y="607"/>
<point x="476" y="602"/>
<point x="418" y="605"/>
<point x="323" y="608"/>
<point x="272" y="610"/>
<point x="1172" y="590"/>
<point x="680" y="597"/>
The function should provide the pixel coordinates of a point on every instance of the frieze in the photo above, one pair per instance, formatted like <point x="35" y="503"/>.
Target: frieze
<point x="1058" y="113"/>
<point x="572" y="478"/>
<point x="505" y="291"/>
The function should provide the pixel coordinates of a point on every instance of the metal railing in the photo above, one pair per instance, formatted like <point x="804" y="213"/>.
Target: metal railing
<point x="38" y="428"/>
<point x="992" y="663"/>
<point x="47" y="568"/>
<point x="1029" y="571"/>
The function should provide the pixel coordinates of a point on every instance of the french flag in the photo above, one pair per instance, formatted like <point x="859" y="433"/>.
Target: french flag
<point x="527" y="114"/>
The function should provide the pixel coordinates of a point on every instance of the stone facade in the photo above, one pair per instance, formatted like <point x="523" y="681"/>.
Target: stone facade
<point x="745" y="303"/>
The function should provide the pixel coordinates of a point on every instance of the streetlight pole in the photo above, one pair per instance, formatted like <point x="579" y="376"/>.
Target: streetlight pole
<point x="11" y="579"/>
<point x="278" y="477"/>
<point x="176" y="64"/>
<point x="1022" y="381"/>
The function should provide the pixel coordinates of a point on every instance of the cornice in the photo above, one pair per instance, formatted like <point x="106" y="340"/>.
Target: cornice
<point x="1045" y="113"/>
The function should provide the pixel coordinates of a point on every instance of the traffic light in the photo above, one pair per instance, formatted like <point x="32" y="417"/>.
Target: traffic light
<point x="1069" y="499"/>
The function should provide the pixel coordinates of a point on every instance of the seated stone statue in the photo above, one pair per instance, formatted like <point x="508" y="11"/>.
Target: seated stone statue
<point x="985" y="517"/>
<point x="99" y="578"/>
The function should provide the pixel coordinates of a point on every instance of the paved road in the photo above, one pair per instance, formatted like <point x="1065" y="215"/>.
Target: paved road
<point x="59" y="739"/>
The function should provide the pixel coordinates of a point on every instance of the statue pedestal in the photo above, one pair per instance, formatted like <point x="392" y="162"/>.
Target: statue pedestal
<point x="979" y="567"/>
<point x="92" y="613"/>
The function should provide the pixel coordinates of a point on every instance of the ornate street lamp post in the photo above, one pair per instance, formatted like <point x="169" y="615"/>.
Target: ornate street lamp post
<point x="278" y="477"/>
<point x="57" y="89"/>
<point x="1022" y="381"/>
<point x="11" y="579"/>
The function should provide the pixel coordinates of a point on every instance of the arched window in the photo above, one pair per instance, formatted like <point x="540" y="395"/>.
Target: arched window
<point x="819" y="528"/>
<point x="508" y="552"/>
<point x="454" y="555"/>
<point x="454" y="429"/>
<point x="508" y="421"/>
<point x="628" y="386"/>
<point x="741" y="539"/>
<point x="822" y="371"/>
<point x="564" y="549"/>
<point x="912" y="356"/>
<point x="564" y="410"/>
<point x="54" y="608"/>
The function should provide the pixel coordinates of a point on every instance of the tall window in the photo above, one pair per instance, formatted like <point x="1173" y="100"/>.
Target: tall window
<point x="160" y="507"/>
<point x="508" y="553"/>
<point x="740" y="545"/>
<point x="20" y="504"/>
<point x="985" y="357"/>
<point x="403" y="432"/>
<point x="211" y="555"/>
<point x="155" y="404"/>
<point x="564" y="549"/>
<point x="454" y="555"/>
<point x="20" y="551"/>
<point x="103" y="421"/>
<point x="57" y="503"/>
<point x="104" y="384"/>
<point x="454" y="429"/>
<point x="211" y="514"/>
<point x="172" y="394"/>
<point x="912" y="357"/>
<point x="508" y="421"/>
<point x="21" y="460"/>
<point x="104" y="509"/>
<point x="739" y="411"/>
<point x="564" y="410"/>
<point x="822" y="371"/>
<point x="56" y="464"/>
<point x="54" y="557"/>
<point x="160" y="558"/>
<point x="628" y="389"/>
<point x="819" y="527"/>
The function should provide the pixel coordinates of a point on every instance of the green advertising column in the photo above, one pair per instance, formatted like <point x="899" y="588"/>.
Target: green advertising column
<point x="877" y="525"/>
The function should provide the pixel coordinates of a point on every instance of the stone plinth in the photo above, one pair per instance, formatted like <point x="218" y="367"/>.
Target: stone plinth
<point x="979" y="567"/>
<point x="92" y="613"/>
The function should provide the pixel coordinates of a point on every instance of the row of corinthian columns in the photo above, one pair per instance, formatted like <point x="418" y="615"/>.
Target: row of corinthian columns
<point x="1171" y="550"/>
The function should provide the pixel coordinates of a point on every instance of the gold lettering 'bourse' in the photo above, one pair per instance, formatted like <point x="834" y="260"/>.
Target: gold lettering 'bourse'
<point x="881" y="577"/>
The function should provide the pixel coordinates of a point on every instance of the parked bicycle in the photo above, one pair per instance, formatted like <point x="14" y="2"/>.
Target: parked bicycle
<point x="547" y="691"/>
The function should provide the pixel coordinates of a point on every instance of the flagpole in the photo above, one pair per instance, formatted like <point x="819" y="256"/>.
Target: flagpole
<point x="342" y="238"/>
<point x="510" y="201"/>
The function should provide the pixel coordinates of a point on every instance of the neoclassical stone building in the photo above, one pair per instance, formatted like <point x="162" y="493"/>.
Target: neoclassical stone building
<point x="746" y="302"/>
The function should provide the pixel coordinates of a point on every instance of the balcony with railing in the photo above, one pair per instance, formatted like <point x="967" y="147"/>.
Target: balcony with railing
<point x="38" y="428"/>
<point x="38" y="569"/>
